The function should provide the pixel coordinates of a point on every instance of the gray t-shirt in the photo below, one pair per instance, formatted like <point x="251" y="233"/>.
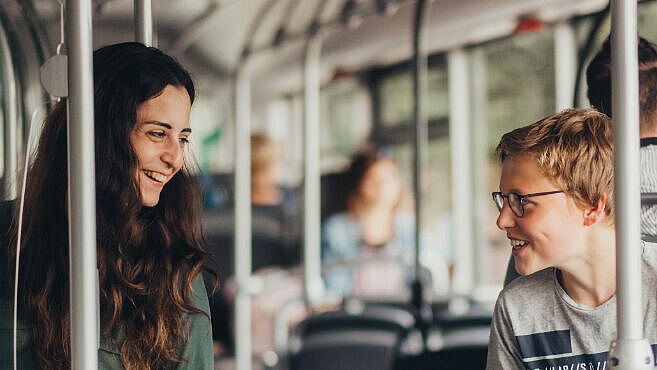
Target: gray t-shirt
<point x="536" y="325"/>
<point x="648" y="185"/>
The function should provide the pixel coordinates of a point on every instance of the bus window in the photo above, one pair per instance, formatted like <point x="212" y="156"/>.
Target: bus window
<point x="520" y="89"/>
<point x="345" y="122"/>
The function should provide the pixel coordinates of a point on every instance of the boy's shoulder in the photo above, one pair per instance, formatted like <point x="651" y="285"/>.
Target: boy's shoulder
<point x="532" y="284"/>
<point x="529" y="289"/>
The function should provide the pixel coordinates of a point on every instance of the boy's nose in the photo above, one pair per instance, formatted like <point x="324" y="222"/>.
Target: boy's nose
<point x="506" y="219"/>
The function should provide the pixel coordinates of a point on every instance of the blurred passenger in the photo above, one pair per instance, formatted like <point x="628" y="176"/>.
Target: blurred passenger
<point x="598" y="79"/>
<point x="276" y="240"/>
<point x="275" y="209"/>
<point x="154" y="311"/>
<point x="372" y="237"/>
<point x="276" y="247"/>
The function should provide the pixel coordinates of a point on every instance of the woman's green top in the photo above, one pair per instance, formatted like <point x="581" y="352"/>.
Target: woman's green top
<point x="196" y="355"/>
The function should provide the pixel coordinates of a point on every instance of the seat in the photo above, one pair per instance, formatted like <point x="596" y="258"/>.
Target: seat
<point x="471" y="357"/>
<point x="457" y="339"/>
<point x="367" y="337"/>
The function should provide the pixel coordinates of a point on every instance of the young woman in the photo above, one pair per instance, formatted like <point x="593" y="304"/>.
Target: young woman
<point x="153" y="305"/>
<point x="372" y="227"/>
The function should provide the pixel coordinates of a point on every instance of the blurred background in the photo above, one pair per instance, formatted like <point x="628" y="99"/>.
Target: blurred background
<point x="522" y="60"/>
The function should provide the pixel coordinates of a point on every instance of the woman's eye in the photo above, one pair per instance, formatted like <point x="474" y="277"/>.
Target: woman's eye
<point x="184" y="140"/>
<point x="157" y="134"/>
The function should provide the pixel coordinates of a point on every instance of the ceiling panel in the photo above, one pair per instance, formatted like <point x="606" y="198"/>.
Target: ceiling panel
<point x="214" y="32"/>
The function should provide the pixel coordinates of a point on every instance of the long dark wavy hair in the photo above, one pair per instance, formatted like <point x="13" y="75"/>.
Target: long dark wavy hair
<point x="147" y="257"/>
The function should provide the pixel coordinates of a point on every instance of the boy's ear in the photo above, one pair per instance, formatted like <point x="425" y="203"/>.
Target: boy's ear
<point x="595" y="214"/>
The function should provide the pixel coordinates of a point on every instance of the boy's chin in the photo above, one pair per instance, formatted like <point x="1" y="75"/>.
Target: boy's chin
<point x="524" y="269"/>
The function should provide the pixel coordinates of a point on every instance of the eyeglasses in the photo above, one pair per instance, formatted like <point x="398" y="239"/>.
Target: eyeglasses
<point x="516" y="201"/>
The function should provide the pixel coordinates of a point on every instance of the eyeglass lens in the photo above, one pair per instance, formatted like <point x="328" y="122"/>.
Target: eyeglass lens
<point x="514" y="202"/>
<point x="499" y="200"/>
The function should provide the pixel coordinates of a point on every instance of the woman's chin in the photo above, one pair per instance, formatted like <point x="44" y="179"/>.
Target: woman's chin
<point x="150" y="200"/>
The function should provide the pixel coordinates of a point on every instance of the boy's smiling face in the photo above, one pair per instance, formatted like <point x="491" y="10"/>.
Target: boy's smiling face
<point x="551" y="232"/>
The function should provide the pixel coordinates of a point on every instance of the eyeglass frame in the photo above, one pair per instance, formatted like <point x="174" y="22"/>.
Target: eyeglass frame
<point x="521" y="199"/>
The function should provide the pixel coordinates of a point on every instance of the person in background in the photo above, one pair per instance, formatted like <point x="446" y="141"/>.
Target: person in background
<point x="275" y="209"/>
<point x="276" y="249"/>
<point x="276" y="241"/>
<point x="154" y="310"/>
<point x="372" y="237"/>
<point x="598" y="78"/>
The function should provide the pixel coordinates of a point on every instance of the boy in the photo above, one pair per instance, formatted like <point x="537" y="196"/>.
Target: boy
<point x="598" y="79"/>
<point x="556" y="204"/>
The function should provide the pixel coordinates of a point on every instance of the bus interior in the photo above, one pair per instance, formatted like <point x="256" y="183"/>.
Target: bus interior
<point x="268" y="68"/>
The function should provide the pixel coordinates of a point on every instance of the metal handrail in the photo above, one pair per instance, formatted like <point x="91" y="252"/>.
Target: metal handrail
<point x="630" y="350"/>
<point x="82" y="187"/>
<point x="144" y="22"/>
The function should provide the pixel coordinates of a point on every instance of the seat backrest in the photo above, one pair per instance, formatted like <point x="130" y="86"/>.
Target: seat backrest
<point x="368" y="338"/>
<point x="455" y="358"/>
<point x="346" y="349"/>
<point x="393" y="319"/>
<point x="454" y="341"/>
<point x="333" y="197"/>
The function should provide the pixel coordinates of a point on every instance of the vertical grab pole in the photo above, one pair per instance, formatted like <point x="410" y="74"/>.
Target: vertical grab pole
<point x="630" y="350"/>
<point x="10" y="111"/>
<point x="565" y="64"/>
<point x="481" y="202"/>
<point x="313" y="285"/>
<point x="420" y="134"/>
<point x="81" y="187"/>
<point x="243" y="218"/>
<point x="460" y="144"/>
<point x="144" y="22"/>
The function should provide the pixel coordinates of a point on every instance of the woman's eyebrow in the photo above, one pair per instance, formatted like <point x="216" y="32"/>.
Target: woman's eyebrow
<point x="166" y="125"/>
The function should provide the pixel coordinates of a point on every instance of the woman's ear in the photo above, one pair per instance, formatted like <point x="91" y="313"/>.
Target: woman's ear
<point x="597" y="213"/>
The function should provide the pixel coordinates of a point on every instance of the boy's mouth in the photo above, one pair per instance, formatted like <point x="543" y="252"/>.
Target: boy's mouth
<point x="517" y="245"/>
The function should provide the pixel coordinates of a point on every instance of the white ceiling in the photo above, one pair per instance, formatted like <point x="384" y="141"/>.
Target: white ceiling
<point x="209" y="35"/>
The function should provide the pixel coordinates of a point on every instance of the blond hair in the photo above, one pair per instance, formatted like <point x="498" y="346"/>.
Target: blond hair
<point x="264" y="152"/>
<point x="574" y="148"/>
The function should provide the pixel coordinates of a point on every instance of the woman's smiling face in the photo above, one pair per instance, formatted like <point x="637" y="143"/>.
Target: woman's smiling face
<point x="159" y="138"/>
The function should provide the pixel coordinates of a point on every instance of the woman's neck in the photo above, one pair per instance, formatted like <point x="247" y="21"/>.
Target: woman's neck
<point x="376" y="222"/>
<point x="266" y="195"/>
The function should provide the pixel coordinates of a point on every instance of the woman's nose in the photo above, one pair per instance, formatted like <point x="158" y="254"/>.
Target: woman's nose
<point x="172" y="153"/>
